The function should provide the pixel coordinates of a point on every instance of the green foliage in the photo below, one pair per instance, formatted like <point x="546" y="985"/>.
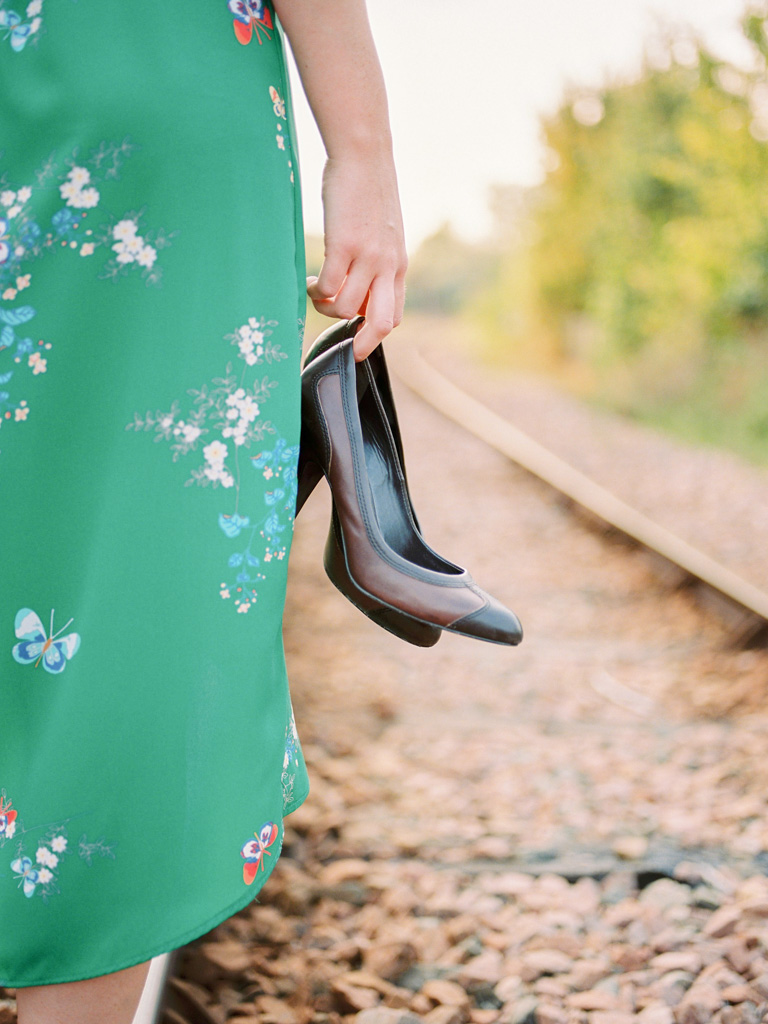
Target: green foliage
<point x="445" y="271"/>
<point x="646" y="246"/>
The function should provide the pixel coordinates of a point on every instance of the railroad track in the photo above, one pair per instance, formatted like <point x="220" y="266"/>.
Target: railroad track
<point x="166" y="1000"/>
<point x="743" y="604"/>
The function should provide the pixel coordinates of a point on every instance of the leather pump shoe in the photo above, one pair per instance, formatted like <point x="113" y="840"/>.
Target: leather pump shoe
<point x="405" y="627"/>
<point x="347" y="437"/>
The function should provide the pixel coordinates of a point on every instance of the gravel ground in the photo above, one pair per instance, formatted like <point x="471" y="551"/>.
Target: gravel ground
<point x="564" y="833"/>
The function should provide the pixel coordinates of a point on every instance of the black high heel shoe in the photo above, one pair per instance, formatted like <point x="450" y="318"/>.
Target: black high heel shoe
<point x="347" y="437"/>
<point x="309" y="474"/>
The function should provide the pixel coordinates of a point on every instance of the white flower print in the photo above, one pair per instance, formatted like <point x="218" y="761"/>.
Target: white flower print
<point x="249" y="410"/>
<point x="190" y="432"/>
<point x="88" y="198"/>
<point x="44" y="876"/>
<point x="59" y="844"/>
<point x="35" y="25"/>
<point x="228" y="409"/>
<point x="215" y="453"/>
<point x="69" y="191"/>
<point x="79" y="176"/>
<point x="44" y="856"/>
<point x="38" y="364"/>
<point x="34" y="7"/>
<point x="74" y="192"/>
<point x="124" y="229"/>
<point x="147" y="256"/>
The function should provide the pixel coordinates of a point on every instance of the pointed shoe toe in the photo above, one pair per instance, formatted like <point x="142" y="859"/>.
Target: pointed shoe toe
<point x="389" y="570"/>
<point x="493" y="622"/>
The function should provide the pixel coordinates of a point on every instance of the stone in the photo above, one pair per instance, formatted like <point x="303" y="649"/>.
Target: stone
<point x="7" y="1011"/>
<point x="593" y="999"/>
<point x="623" y="913"/>
<point x="629" y="958"/>
<point x="417" y="975"/>
<point x="611" y="1017"/>
<point x="229" y="958"/>
<point x="655" y="1013"/>
<point x="275" y="1011"/>
<point x="760" y="984"/>
<point x="677" y="960"/>
<point x="544" y="961"/>
<point x="722" y="922"/>
<point x="390" y="959"/>
<point x="478" y="1016"/>
<point x="420" y="1004"/>
<point x="488" y="966"/>
<point x="447" y="993"/>
<point x="508" y="988"/>
<point x="665" y="892"/>
<point x="367" y="979"/>
<point x="385" y="1015"/>
<point x="699" y="1004"/>
<point x="671" y="987"/>
<point x="554" y="988"/>
<point x="584" y="974"/>
<point x="738" y="955"/>
<point x="737" y="993"/>
<point x="547" y="1013"/>
<point x="630" y="847"/>
<point x="447" y="1015"/>
<point x="350" y="998"/>
<point x="522" y="1011"/>
<point x="757" y="906"/>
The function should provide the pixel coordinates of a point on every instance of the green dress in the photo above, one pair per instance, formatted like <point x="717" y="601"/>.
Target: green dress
<point x="151" y="310"/>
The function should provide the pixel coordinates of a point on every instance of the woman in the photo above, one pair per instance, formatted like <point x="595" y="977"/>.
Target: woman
<point x="152" y="289"/>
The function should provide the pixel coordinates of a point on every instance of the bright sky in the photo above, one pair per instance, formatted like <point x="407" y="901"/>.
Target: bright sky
<point x="467" y="82"/>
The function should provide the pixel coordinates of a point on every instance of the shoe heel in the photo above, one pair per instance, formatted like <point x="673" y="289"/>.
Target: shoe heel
<point x="309" y="473"/>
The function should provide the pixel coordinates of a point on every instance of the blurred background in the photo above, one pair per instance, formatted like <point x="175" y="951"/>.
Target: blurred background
<point x="586" y="183"/>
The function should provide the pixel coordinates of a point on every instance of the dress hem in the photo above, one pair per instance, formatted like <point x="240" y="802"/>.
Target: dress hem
<point x="170" y="944"/>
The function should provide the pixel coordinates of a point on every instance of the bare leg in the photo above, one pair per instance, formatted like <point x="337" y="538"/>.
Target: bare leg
<point x="108" y="999"/>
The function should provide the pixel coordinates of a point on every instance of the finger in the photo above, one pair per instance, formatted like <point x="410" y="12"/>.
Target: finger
<point x="399" y="298"/>
<point x="379" y="318"/>
<point x="350" y="297"/>
<point x="332" y="273"/>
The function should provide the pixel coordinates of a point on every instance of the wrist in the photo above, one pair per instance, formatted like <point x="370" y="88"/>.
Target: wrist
<point x="361" y="144"/>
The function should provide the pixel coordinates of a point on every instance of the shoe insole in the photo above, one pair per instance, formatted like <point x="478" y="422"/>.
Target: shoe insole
<point x="389" y="491"/>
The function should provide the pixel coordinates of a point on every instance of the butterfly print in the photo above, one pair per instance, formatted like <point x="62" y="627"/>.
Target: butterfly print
<point x="250" y="16"/>
<point x="254" y="850"/>
<point x="28" y="875"/>
<point x="35" y="646"/>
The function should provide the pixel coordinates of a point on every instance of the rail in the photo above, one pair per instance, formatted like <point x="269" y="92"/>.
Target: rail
<point x="442" y="394"/>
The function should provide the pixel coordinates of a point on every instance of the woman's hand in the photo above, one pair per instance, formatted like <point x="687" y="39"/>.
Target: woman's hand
<point x="365" y="260"/>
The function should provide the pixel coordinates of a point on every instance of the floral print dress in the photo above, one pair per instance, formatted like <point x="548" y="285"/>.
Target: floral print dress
<point x="151" y="311"/>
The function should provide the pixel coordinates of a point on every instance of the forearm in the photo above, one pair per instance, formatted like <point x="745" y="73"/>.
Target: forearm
<point x="340" y="71"/>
